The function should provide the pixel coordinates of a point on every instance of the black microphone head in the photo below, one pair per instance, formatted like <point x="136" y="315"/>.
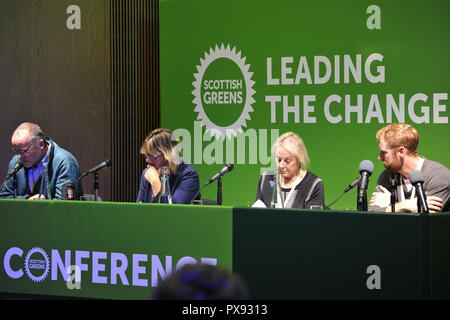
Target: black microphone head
<point x="164" y="170"/>
<point x="68" y="191"/>
<point x="108" y="163"/>
<point x="18" y="165"/>
<point x="416" y="177"/>
<point x="366" y="166"/>
<point x="230" y="166"/>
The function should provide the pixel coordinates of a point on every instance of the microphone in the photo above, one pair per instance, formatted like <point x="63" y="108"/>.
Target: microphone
<point x="227" y="168"/>
<point x="218" y="175"/>
<point x="394" y="179"/>
<point x="166" y="196"/>
<point x="416" y="179"/>
<point x="273" y="184"/>
<point x="16" y="168"/>
<point x="164" y="173"/>
<point x="349" y="187"/>
<point x="13" y="172"/>
<point x="365" y="169"/>
<point x="352" y="185"/>
<point x="68" y="191"/>
<point x="104" y="164"/>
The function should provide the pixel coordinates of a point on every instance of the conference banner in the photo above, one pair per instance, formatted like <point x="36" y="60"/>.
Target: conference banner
<point x="105" y="250"/>
<point x="235" y="75"/>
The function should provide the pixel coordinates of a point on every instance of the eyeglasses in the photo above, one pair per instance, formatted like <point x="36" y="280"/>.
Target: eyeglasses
<point x="152" y="156"/>
<point x="22" y="152"/>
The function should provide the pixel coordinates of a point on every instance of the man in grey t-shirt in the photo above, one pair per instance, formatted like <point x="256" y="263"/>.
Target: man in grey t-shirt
<point x="398" y="144"/>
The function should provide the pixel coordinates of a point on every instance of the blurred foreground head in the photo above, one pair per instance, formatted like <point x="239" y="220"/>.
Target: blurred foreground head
<point x="201" y="282"/>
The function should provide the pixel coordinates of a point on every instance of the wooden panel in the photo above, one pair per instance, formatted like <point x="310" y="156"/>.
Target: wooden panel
<point x="58" y="78"/>
<point x="95" y="91"/>
<point x="135" y="89"/>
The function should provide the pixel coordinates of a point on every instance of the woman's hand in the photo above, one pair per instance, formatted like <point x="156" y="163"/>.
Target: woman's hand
<point x="152" y="176"/>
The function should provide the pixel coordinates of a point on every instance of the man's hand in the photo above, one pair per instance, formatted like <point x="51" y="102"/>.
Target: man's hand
<point x="36" y="197"/>
<point x="434" y="204"/>
<point x="152" y="176"/>
<point x="381" y="198"/>
<point x="410" y="205"/>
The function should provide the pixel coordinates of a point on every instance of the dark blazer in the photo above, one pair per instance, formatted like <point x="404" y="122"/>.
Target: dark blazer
<point x="310" y="191"/>
<point x="183" y="186"/>
<point x="62" y="168"/>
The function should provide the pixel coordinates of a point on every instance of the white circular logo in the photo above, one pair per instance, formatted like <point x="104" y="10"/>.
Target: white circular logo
<point x="235" y="92"/>
<point x="37" y="259"/>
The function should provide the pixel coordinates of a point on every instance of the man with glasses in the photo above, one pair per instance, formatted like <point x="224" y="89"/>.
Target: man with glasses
<point x="47" y="167"/>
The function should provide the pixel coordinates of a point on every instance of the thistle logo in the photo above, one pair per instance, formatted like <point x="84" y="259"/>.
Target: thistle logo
<point x="37" y="264"/>
<point x="223" y="92"/>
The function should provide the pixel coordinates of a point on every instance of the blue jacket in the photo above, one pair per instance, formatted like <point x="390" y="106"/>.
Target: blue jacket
<point x="183" y="186"/>
<point x="62" y="168"/>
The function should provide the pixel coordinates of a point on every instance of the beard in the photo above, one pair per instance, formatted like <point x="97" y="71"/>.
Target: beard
<point x="395" y="165"/>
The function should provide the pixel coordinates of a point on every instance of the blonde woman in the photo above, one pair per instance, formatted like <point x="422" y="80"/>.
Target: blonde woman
<point x="292" y="185"/>
<point x="159" y="150"/>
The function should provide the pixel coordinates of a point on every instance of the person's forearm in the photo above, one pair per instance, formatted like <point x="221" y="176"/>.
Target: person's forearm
<point x="156" y="188"/>
<point x="409" y="205"/>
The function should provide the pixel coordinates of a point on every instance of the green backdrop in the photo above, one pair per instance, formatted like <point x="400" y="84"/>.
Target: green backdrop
<point x="411" y="37"/>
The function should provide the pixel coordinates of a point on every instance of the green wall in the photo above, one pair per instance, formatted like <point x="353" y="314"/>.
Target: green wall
<point x="412" y="40"/>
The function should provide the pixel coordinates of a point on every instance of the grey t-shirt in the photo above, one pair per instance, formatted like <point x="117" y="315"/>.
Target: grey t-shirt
<point x="436" y="183"/>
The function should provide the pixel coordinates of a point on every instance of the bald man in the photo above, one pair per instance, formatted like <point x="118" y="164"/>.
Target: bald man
<point x="47" y="168"/>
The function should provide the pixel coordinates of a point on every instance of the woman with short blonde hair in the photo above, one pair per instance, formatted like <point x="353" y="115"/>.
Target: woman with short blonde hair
<point x="292" y="185"/>
<point x="294" y="144"/>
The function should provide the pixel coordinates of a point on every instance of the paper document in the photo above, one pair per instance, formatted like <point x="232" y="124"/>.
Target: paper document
<point x="259" y="204"/>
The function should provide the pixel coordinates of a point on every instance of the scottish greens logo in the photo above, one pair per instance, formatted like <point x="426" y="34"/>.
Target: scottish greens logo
<point x="223" y="91"/>
<point x="37" y="264"/>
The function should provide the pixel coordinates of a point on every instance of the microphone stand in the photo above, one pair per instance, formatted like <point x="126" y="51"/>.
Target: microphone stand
<point x="14" y="187"/>
<point x="273" y="204"/>
<point x="95" y="186"/>
<point x="422" y="206"/>
<point x="3" y="184"/>
<point x="219" y="191"/>
<point x="362" y="201"/>
<point x="393" y="189"/>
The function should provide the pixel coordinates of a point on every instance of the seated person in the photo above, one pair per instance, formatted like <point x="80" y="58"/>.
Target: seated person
<point x="398" y="144"/>
<point x="292" y="186"/>
<point x="201" y="282"/>
<point x="47" y="167"/>
<point x="159" y="149"/>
